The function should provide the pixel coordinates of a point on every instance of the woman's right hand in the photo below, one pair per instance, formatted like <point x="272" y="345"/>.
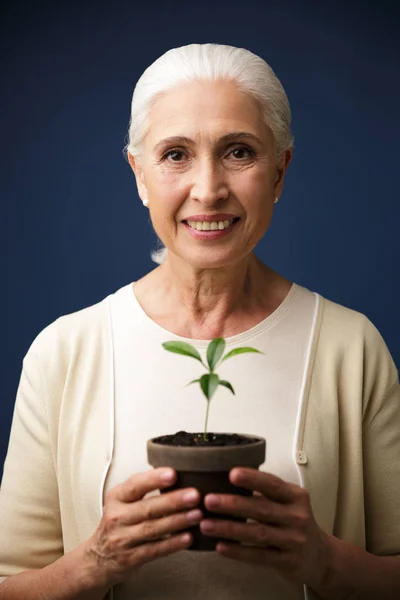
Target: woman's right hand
<point x="132" y="529"/>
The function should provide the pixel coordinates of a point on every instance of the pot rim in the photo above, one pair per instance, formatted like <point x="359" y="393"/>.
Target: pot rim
<point x="257" y="439"/>
<point x="203" y="458"/>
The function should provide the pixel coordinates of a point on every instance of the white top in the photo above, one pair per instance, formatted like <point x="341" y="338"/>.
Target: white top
<point x="151" y="399"/>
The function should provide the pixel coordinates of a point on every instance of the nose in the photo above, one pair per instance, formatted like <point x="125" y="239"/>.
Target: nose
<point x="209" y="183"/>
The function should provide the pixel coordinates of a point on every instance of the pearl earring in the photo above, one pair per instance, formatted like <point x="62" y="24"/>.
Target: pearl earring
<point x="145" y="202"/>
<point x="276" y="200"/>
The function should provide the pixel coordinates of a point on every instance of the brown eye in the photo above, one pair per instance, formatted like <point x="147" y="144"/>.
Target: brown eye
<point x="238" y="152"/>
<point x="173" y="155"/>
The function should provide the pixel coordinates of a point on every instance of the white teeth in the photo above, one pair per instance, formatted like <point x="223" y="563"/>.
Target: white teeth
<point x="210" y="225"/>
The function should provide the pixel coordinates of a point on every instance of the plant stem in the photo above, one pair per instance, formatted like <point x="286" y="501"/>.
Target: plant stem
<point x="205" y="426"/>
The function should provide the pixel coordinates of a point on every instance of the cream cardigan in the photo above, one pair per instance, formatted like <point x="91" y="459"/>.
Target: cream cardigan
<point x="348" y="436"/>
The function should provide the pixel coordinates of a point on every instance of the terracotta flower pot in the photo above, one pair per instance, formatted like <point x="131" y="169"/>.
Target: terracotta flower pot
<point x="206" y="466"/>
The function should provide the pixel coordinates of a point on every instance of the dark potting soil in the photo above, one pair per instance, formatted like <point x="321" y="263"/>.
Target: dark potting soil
<point x="183" y="438"/>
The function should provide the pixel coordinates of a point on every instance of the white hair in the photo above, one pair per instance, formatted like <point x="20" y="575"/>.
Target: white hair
<point x="209" y="62"/>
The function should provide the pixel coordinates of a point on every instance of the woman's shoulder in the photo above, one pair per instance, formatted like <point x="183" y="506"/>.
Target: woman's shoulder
<point x="341" y="321"/>
<point x="348" y="336"/>
<point x="71" y="333"/>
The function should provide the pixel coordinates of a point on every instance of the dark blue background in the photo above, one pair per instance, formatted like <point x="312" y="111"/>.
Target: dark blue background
<point x="72" y="227"/>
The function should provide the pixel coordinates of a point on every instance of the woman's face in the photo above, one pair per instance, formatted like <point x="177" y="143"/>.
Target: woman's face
<point x="209" y="173"/>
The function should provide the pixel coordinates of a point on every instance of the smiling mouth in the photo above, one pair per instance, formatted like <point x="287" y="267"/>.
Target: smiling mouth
<point x="212" y="225"/>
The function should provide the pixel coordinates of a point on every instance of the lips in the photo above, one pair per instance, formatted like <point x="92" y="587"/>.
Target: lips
<point x="210" y="230"/>
<point x="207" y="225"/>
<point x="210" y="224"/>
<point x="210" y="218"/>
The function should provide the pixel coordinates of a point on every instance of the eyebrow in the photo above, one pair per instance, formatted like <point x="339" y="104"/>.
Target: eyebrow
<point x="229" y="137"/>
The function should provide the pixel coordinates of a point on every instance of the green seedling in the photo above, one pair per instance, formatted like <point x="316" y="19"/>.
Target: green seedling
<point x="210" y="381"/>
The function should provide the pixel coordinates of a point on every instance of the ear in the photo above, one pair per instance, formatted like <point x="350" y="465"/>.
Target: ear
<point x="281" y="170"/>
<point x="140" y="178"/>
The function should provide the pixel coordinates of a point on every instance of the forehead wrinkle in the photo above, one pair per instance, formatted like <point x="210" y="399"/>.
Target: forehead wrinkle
<point x="228" y="137"/>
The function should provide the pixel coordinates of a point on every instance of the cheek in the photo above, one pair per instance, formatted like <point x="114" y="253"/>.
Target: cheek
<point x="256" y="194"/>
<point x="165" y="200"/>
<point x="255" y="189"/>
<point x="165" y="192"/>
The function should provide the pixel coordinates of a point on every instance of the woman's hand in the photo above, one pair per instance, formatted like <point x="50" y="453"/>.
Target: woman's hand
<point x="284" y="535"/>
<point x="132" y="527"/>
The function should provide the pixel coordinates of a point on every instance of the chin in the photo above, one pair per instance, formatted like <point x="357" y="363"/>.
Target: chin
<point x="210" y="259"/>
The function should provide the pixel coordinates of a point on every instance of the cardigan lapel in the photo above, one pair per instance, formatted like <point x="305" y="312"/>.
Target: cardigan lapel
<point x="87" y="429"/>
<point x="318" y="438"/>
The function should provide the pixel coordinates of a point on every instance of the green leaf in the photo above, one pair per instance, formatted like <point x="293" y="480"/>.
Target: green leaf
<point x="227" y="385"/>
<point x="194" y="381"/>
<point x="182" y="348"/>
<point x="214" y="352"/>
<point x="240" y="351"/>
<point x="209" y="384"/>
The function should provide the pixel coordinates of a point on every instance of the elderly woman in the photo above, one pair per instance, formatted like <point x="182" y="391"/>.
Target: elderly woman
<point x="81" y="516"/>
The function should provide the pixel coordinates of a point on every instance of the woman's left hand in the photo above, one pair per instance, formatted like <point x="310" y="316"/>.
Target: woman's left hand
<point x="284" y="535"/>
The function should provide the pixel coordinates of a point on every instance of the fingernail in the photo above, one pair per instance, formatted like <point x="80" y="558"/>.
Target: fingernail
<point x="167" y="475"/>
<point x="194" y="515"/>
<point x="207" y="526"/>
<point x="185" y="538"/>
<point x="191" y="496"/>
<point x="236" y="474"/>
<point x="213" y="501"/>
